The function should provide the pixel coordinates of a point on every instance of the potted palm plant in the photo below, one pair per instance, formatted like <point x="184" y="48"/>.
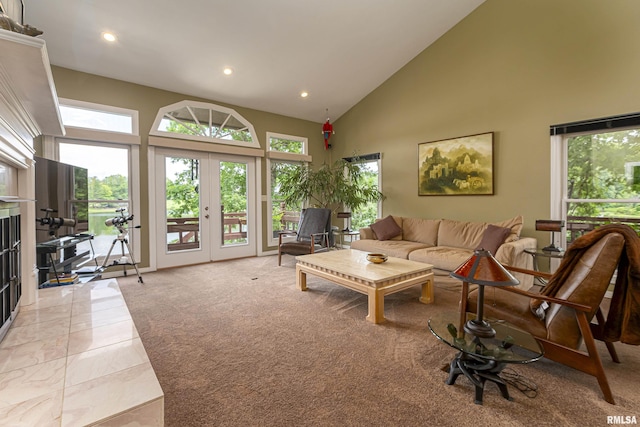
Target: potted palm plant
<point x="332" y="186"/>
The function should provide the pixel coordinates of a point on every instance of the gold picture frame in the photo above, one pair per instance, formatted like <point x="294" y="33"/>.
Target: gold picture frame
<point x="456" y="167"/>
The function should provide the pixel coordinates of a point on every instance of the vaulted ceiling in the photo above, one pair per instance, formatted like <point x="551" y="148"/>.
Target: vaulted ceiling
<point x="337" y="51"/>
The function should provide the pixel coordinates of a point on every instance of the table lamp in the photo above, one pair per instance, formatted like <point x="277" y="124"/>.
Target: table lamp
<point x="347" y="216"/>
<point x="482" y="269"/>
<point x="553" y="226"/>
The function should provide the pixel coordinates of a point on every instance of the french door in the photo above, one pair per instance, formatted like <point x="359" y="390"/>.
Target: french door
<point x="205" y="207"/>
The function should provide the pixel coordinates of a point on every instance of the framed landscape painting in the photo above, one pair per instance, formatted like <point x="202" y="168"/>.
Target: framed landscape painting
<point x="456" y="167"/>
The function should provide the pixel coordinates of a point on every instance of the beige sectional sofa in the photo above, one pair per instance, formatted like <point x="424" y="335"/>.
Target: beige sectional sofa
<point x="446" y="243"/>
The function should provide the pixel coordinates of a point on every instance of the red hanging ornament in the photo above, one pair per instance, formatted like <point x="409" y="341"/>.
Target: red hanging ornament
<point x="327" y="131"/>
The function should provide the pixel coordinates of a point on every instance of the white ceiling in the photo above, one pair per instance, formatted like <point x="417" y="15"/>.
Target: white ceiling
<point x="337" y="50"/>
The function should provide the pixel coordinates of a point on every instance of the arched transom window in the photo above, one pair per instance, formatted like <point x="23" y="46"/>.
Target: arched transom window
<point x="204" y="122"/>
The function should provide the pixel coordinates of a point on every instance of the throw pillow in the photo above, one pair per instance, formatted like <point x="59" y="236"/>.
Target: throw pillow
<point x="386" y="228"/>
<point x="493" y="237"/>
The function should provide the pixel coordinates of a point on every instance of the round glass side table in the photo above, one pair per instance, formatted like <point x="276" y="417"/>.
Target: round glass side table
<point x="482" y="359"/>
<point x="341" y="234"/>
<point x="539" y="253"/>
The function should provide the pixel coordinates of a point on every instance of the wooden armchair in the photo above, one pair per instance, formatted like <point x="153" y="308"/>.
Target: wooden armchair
<point x="313" y="234"/>
<point x="579" y="290"/>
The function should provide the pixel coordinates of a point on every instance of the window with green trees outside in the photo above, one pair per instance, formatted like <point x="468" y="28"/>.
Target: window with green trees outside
<point x="603" y="180"/>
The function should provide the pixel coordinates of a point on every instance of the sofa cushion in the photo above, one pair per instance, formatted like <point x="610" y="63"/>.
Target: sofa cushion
<point x="393" y="248"/>
<point x="421" y="230"/>
<point x="460" y="234"/>
<point x="443" y="257"/>
<point x="386" y="228"/>
<point x="466" y="234"/>
<point x="493" y="237"/>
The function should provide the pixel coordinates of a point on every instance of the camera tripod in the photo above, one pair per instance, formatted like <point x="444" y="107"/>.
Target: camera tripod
<point x="124" y="242"/>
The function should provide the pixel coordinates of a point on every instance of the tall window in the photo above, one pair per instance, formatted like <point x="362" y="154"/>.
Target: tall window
<point x="285" y="152"/>
<point x="98" y="117"/>
<point x="108" y="172"/>
<point x="106" y="145"/>
<point x="599" y="176"/>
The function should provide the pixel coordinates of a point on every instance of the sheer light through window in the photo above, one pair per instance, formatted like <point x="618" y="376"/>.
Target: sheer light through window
<point x="95" y="119"/>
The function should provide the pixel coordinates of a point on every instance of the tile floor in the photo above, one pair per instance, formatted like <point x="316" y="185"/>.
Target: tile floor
<point x="74" y="358"/>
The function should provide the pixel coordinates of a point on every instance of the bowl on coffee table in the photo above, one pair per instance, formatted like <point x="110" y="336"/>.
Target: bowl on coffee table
<point x="376" y="258"/>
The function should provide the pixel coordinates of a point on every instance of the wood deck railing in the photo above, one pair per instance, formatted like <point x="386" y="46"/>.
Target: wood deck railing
<point x="289" y="221"/>
<point x="578" y="225"/>
<point x="234" y="226"/>
<point x="188" y="230"/>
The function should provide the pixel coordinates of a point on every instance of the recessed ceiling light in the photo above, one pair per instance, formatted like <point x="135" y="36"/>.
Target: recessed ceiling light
<point x="228" y="71"/>
<point x="109" y="37"/>
<point x="304" y="94"/>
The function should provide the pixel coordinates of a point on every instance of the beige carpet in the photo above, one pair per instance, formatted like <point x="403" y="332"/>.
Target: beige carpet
<point x="237" y="344"/>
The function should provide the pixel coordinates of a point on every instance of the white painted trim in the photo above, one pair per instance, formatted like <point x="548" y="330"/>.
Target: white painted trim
<point x="557" y="177"/>
<point x="28" y="269"/>
<point x="152" y="220"/>
<point x="291" y="157"/>
<point x="100" y="135"/>
<point x="182" y="144"/>
<point x="29" y="98"/>
<point x="380" y="181"/>
<point x="49" y="147"/>
<point x="258" y="206"/>
<point x="557" y="190"/>
<point x="9" y="155"/>
<point x="134" y="185"/>
<point x="269" y="203"/>
<point x="16" y="131"/>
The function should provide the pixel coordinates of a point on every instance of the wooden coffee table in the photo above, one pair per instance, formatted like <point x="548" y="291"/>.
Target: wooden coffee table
<point x="350" y="268"/>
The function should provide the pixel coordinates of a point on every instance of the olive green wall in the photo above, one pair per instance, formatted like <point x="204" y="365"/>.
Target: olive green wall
<point x="513" y="67"/>
<point x="147" y="101"/>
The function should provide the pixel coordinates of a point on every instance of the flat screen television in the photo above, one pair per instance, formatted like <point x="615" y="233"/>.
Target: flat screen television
<point x="63" y="189"/>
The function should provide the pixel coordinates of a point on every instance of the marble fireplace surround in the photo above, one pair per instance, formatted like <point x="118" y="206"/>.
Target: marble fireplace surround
<point x="74" y="358"/>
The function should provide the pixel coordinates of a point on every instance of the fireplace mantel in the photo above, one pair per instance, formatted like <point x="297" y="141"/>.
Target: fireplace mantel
<point x="28" y="108"/>
<point x="28" y="100"/>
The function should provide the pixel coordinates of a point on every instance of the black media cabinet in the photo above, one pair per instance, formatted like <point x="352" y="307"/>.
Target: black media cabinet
<point x="61" y="257"/>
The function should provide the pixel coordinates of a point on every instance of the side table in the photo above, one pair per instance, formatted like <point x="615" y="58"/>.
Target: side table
<point x="483" y="359"/>
<point x="538" y="253"/>
<point x="341" y="234"/>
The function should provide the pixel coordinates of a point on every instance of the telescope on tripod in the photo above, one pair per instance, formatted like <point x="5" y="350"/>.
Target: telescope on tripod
<point x="119" y="220"/>
<point x="121" y="223"/>
<point x="54" y="223"/>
